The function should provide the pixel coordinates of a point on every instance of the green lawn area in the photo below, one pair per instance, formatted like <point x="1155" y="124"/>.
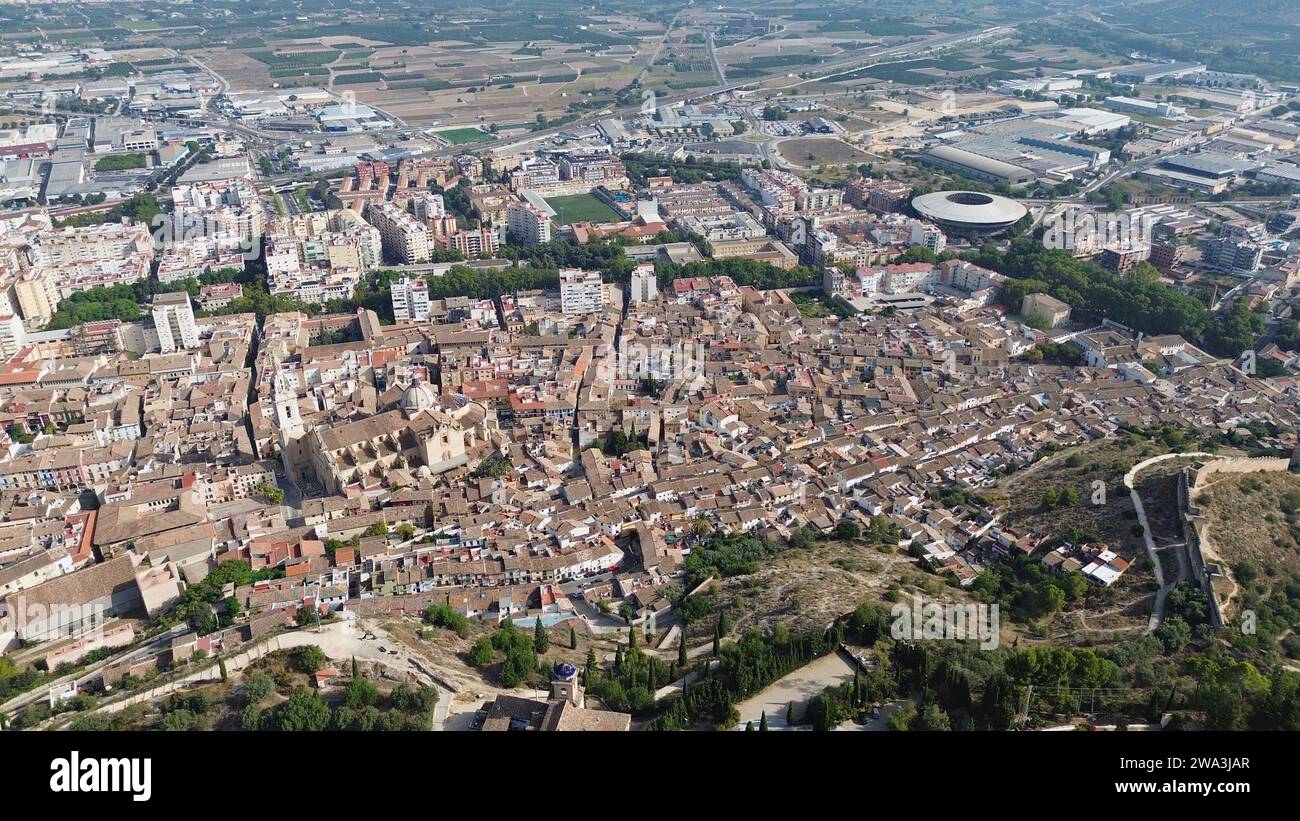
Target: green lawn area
<point x="581" y="208"/>
<point x="121" y="162"/>
<point x="816" y="305"/>
<point x="464" y="136"/>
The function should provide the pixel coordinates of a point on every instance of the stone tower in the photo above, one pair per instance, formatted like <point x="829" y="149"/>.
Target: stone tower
<point x="289" y="427"/>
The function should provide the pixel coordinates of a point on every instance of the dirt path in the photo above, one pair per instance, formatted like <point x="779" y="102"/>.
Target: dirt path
<point x="1130" y="482"/>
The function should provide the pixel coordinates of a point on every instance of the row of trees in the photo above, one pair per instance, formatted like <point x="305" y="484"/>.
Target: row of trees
<point x="690" y="170"/>
<point x="141" y="208"/>
<point x="123" y="301"/>
<point x="762" y="275"/>
<point x="742" y="669"/>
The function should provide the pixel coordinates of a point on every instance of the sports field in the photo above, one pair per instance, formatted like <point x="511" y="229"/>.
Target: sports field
<point x="464" y="136"/>
<point x="581" y="208"/>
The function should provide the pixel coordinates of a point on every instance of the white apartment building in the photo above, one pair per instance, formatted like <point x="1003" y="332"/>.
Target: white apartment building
<point x="535" y="173"/>
<point x="329" y="225"/>
<point x="411" y="300"/>
<point x="404" y="238"/>
<point x="644" y="284"/>
<point x="581" y="292"/>
<point x="94" y="243"/>
<point x="528" y="223"/>
<point x="11" y="335"/>
<point x="782" y="191"/>
<point x="37" y="295"/>
<point x="225" y="208"/>
<point x="428" y="206"/>
<point x="928" y="236"/>
<point x="173" y="318"/>
<point x="813" y="199"/>
<point x="75" y="259"/>
<point x="191" y="258"/>
<point x="471" y="242"/>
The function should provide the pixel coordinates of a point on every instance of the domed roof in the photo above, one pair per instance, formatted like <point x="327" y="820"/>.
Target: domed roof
<point x="564" y="671"/>
<point x="418" y="397"/>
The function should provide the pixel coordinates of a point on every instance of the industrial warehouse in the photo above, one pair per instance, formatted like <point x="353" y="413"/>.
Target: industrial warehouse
<point x="1018" y="152"/>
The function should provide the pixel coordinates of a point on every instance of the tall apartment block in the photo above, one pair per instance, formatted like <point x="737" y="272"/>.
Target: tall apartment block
<point x="174" y="320"/>
<point x="644" y="284"/>
<point x="411" y="300"/>
<point x="405" y="239"/>
<point x="528" y="224"/>
<point x="581" y="292"/>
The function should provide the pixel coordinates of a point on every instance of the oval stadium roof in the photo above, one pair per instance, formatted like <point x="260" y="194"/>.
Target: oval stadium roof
<point x="969" y="209"/>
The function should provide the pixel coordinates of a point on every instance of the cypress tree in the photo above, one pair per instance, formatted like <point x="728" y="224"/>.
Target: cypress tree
<point x="631" y="637"/>
<point x="681" y="650"/>
<point x="789" y="714"/>
<point x="573" y="638"/>
<point x="541" y="641"/>
<point x="762" y="722"/>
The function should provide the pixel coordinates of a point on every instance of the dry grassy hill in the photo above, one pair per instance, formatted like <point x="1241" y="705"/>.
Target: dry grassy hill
<point x="1256" y="517"/>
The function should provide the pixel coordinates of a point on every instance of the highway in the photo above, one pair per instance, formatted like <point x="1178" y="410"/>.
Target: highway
<point x="717" y="66"/>
<point x="903" y="51"/>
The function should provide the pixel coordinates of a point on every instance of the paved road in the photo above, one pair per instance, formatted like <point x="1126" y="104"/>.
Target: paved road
<point x="717" y="66"/>
<point x="595" y="620"/>
<point x="93" y="673"/>
<point x="341" y="641"/>
<point x="876" y="725"/>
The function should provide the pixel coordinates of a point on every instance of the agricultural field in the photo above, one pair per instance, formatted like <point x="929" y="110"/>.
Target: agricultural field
<point x="449" y="75"/>
<point x="682" y="64"/>
<point x="581" y="208"/>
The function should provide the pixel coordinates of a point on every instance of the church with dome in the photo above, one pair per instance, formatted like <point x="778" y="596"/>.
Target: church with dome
<point x="418" y="396"/>
<point x="425" y="434"/>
